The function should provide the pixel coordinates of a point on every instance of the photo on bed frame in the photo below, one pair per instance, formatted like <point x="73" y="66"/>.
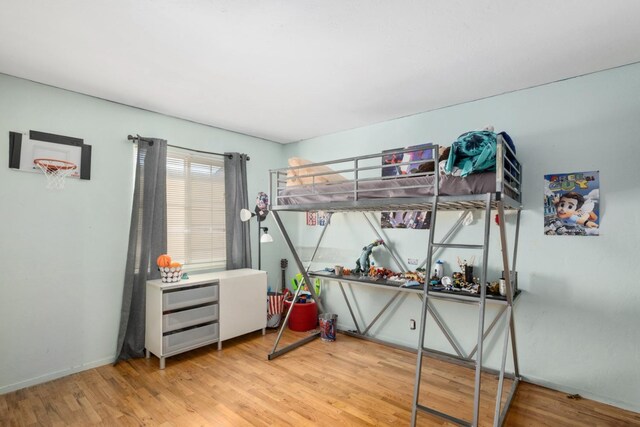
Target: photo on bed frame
<point x="415" y="220"/>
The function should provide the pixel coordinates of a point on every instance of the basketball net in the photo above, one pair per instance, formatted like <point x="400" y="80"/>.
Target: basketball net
<point x="56" y="171"/>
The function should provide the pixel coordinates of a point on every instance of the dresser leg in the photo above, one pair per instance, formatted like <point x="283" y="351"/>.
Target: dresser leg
<point x="162" y="364"/>
<point x="219" y="345"/>
<point x="264" y="331"/>
<point x="147" y="354"/>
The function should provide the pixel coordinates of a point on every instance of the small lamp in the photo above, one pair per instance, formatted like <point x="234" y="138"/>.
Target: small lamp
<point x="266" y="237"/>
<point x="246" y="215"/>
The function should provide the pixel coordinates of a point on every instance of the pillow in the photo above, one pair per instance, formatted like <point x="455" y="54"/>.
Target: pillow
<point x="292" y="179"/>
<point x="293" y="174"/>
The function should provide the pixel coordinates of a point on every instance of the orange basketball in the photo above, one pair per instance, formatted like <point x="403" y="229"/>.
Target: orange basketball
<point x="164" y="260"/>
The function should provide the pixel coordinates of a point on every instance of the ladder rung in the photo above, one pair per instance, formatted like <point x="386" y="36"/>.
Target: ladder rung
<point x="457" y="246"/>
<point x="442" y="415"/>
<point x="463" y="361"/>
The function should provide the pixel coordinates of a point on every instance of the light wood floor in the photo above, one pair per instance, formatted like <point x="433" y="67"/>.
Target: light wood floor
<point x="347" y="382"/>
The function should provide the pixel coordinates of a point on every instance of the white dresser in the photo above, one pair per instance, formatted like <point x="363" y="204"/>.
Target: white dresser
<point x="204" y="309"/>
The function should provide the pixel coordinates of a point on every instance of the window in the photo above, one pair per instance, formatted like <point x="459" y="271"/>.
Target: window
<point x="195" y="209"/>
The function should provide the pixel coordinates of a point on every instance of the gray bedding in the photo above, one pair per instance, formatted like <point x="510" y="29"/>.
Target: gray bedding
<point x="389" y="188"/>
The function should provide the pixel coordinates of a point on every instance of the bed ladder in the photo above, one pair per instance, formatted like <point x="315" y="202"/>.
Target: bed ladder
<point x="500" y="413"/>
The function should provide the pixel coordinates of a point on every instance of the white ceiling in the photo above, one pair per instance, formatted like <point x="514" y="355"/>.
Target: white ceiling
<point x="292" y="70"/>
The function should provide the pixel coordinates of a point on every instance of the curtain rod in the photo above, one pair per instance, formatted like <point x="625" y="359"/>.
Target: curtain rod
<point x="139" y="138"/>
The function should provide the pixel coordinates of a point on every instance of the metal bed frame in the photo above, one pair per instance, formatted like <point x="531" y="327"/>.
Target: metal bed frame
<point x="507" y="196"/>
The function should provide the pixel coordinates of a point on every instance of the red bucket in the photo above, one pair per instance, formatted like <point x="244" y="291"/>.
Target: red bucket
<point x="304" y="316"/>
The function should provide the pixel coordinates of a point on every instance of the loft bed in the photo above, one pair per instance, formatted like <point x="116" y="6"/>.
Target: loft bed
<point x="362" y="184"/>
<point x="355" y="184"/>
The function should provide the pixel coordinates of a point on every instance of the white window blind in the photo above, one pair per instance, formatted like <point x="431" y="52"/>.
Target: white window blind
<point x="195" y="209"/>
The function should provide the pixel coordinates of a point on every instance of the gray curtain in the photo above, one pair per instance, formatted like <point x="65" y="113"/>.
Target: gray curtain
<point x="236" y="198"/>
<point x="147" y="240"/>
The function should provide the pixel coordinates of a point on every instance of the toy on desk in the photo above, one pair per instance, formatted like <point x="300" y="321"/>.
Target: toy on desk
<point x="363" y="263"/>
<point x="380" y="273"/>
<point x="435" y="279"/>
<point x="466" y="268"/>
<point x="494" y="287"/>
<point x="417" y="276"/>
<point x="438" y="270"/>
<point x="411" y="283"/>
<point x="447" y="283"/>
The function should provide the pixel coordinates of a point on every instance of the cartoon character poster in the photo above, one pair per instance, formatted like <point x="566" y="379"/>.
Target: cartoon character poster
<point x="572" y="204"/>
<point x="398" y="164"/>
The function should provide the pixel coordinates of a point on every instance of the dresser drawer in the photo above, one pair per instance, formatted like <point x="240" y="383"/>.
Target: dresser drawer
<point x="195" y="337"/>
<point x="187" y="297"/>
<point x="190" y="317"/>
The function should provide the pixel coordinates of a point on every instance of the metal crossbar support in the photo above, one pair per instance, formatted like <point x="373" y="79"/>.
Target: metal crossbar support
<point x="315" y="250"/>
<point x="455" y="227"/>
<point x="489" y="329"/>
<point x="512" y="392"/>
<point x="445" y="331"/>
<point x="310" y="286"/>
<point x="456" y="246"/>
<point x="353" y="316"/>
<point x="297" y="259"/>
<point x="375" y="319"/>
<point x="400" y="265"/>
<point x="290" y="347"/>
<point x="496" y="415"/>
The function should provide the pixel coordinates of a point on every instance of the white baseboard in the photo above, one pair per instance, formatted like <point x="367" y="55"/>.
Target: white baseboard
<point x="55" y="375"/>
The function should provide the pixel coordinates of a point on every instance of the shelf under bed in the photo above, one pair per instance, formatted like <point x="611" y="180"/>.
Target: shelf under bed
<point x="391" y="285"/>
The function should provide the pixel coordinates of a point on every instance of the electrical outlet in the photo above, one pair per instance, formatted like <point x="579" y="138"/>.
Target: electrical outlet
<point x="412" y="324"/>
<point x="412" y="261"/>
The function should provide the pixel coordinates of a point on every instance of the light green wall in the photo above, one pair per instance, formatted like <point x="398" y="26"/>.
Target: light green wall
<point x="577" y="320"/>
<point x="63" y="252"/>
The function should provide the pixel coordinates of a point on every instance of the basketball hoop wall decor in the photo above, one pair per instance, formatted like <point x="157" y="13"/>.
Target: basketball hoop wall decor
<point x="57" y="157"/>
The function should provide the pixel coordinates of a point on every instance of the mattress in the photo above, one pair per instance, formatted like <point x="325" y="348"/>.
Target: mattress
<point x="408" y="187"/>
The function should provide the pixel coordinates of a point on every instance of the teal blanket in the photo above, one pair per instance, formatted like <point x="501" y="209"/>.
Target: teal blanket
<point x="473" y="152"/>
